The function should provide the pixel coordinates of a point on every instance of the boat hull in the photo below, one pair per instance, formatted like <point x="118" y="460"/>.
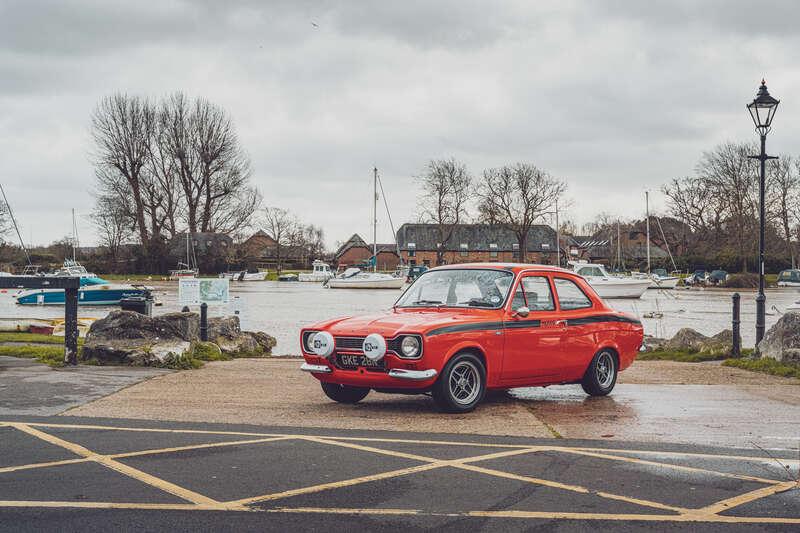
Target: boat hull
<point x="349" y="283"/>
<point x="789" y="284"/>
<point x="664" y="283"/>
<point x="625" y="289"/>
<point x="92" y="295"/>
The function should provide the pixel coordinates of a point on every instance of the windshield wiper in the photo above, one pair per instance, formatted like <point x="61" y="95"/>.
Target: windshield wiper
<point x="428" y="302"/>
<point x="475" y="302"/>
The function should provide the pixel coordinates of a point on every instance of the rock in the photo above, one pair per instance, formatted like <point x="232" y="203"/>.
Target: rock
<point x="782" y="341"/>
<point x="224" y="326"/>
<point x="653" y="344"/>
<point x="686" y="339"/>
<point x="125" y="337"/>
<point x="722" y="342"/>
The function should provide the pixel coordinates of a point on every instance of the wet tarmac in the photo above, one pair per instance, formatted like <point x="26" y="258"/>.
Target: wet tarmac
<point x="73" y="474"/>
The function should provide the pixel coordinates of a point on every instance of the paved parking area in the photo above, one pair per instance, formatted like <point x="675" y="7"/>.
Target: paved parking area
<point x="71" y="473"/>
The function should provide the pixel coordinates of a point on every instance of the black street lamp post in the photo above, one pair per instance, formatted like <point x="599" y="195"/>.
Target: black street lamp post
<point x="762" y="110"/>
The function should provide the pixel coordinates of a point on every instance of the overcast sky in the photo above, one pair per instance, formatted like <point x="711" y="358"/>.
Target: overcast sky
<point x="613" y="97"/>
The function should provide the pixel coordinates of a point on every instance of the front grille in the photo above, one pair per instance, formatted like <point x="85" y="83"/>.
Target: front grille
<point x="349" y="344"/>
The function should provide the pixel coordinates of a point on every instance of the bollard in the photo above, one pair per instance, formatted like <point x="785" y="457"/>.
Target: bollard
<point x="736" y="350"/>
<point x="203" y="321"/>
<point x="71" y="326"/>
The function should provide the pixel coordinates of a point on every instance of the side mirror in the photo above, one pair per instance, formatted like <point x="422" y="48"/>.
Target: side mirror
<point x="521" y="312"/>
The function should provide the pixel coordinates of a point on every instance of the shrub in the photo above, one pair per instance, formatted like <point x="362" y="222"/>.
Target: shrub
<point x="766" y="365"/>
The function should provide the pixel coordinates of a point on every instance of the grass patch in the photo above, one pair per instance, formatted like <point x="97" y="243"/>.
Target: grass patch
<point x="682" y="356"/>
<point x="767" y="366"/>
<point x="49" y="355"/>
<point x="207" y="351"/>
<point x="33" y="338"/>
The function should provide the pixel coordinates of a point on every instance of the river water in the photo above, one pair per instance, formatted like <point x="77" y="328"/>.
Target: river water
<point x="281" y="309"/>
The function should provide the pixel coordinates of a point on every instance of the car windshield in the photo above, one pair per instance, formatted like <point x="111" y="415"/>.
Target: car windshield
<point x="458" y="288"/>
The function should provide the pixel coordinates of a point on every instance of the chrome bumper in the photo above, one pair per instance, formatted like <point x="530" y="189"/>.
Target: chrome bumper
<point x="413" y="375"/>
<point x="317" y="369"/>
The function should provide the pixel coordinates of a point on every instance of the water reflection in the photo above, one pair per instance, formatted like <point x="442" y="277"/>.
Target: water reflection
<point x="281" y="309"/>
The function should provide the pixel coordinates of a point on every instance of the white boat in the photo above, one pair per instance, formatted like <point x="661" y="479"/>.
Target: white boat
<point x="608" y="286"/>
<point x="789" y="278"/>
<point x="261" y="275"/>
<point x="189" y="268"/>
<point x="355" y="278"/>
<point x="322" y="272"/>
<point x="661" y="280"/>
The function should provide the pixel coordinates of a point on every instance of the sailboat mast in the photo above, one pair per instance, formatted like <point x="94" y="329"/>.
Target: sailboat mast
<point x="74" y="235"/>
<point x="647" y="210"/>
<point x="558" y="238"/>
<point x="375" y="218"/>
<point x="16" y="227"/>
<point x="619" y="247"/>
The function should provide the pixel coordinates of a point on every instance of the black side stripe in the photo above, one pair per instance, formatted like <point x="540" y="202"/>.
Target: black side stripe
<point x="522" y="324"/>
<point x="458" y="328"/>
<point x="601" y="318"/>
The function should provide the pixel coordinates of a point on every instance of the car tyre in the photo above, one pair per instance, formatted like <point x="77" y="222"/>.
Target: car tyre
<point x="344" y="393"/>
<point x="461" y="385"/>
<point x="601" y="376"/>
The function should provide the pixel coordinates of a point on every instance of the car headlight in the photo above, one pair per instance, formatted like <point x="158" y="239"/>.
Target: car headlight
<point x="410" y="346"/>
<point x="310" y="341"/>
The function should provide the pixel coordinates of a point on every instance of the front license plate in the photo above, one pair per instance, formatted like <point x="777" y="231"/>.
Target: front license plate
<point x="355" y="361"/>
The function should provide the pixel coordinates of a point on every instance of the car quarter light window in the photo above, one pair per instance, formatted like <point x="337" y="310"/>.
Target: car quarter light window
<point x="537" y="293"/>
<point x="570" y="296"/>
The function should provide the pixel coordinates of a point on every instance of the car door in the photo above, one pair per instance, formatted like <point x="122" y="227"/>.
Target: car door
<point x="578" y="341"/>
<point x="530" y="341"/>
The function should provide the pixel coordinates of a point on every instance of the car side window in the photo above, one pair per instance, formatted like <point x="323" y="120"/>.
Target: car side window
<point x="570" y="296"/>
<point x="519" y="299"/>
<point x="537" y="293"/>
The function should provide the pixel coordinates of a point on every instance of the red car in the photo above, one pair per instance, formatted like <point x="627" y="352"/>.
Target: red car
<point x="461" y="330"/>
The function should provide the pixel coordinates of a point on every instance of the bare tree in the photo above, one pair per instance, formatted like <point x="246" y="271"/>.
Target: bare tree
<point x="282" y="226"/>
<point x="785" y="199"/>
<point x="122" y="129"/>
<point x="112" y="218"/>
<point x="516" y="197"/>
<point x="445" y="190"/>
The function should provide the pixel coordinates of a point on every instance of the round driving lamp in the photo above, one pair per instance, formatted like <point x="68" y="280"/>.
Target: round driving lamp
<point x="410" y="346"/>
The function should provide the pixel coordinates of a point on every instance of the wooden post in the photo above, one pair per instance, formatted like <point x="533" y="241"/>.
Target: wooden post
<point x="736" y="350"/>
<point x="71" y="326"/>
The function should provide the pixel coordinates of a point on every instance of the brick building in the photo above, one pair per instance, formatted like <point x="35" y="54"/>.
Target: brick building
<point x="475" y="243"/>
<point x="261" y="251"/>
<point x="356" y="251"/>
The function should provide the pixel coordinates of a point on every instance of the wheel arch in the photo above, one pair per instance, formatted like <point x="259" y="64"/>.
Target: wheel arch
<point x="478" y="351"/>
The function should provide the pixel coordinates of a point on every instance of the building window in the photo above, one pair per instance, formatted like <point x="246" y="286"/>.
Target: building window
<point x="412" y="262"/>
<point x="412" y="249"/>
<point x="426" y="262"/>
<point x="492" y="250"/>
<point x="464" y="249"/>
<point x="515" y="251"/>
<point x="412" y="253"/>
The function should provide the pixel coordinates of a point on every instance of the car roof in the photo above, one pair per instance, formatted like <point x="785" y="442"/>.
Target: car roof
<point x="513" y="267"/>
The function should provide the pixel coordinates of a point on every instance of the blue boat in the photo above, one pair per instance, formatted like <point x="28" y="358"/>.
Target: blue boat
<point x="93" y="290"/>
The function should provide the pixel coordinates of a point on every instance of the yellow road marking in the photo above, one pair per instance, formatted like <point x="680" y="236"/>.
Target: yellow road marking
<point x="668" y="465"/>
<point x="195" y="447"/>
<point x="337" y="484"/>
<point x="748" y="497"/>
<point x="463" y="464"/>
<point x="43" y="465"/>
<point x="122" y="468"/>
<point x="542" y="515"/>
<point x="125" y="505"/>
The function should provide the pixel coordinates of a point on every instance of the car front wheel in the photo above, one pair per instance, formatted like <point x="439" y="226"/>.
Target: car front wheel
<point x="344" y="393"/>
<point x="601" y="376"/>
<point x="462" y="384"/>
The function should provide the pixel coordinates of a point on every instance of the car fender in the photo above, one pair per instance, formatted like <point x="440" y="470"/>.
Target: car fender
<point x="492" y="367"/>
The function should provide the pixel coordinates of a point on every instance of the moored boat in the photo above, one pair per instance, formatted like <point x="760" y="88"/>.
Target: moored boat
<point x="662" y="280"/>
<point x="93" y="291"/>
<point x="355" y="278"/>
<point x="789" y="278"/>
<point x="608" y="286"/>
<point x="321" y="272"/>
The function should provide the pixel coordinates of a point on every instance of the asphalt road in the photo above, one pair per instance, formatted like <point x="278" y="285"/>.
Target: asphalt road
<point x="74" y="474"/>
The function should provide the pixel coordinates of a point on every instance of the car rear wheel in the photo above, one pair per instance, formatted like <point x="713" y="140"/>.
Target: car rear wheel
<point x="462" y="384"/>
<point x="344" y="393"/>
<point x="601" y="376"/>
